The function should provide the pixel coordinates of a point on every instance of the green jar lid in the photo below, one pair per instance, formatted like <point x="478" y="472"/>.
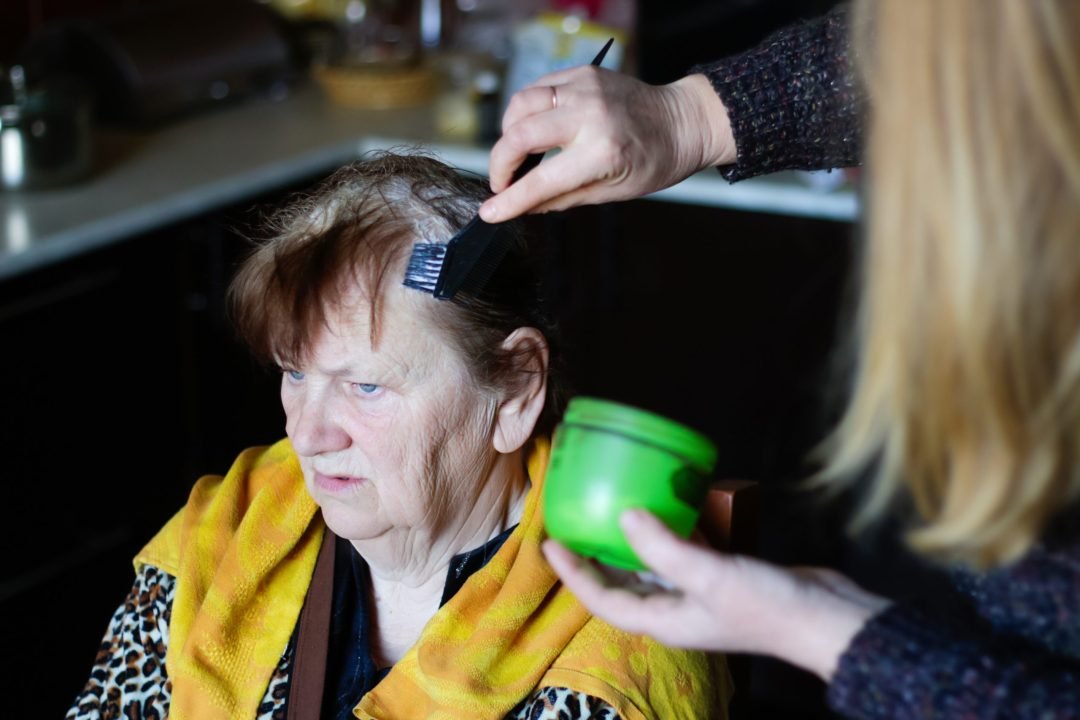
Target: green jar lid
<point x="644" y="426"/>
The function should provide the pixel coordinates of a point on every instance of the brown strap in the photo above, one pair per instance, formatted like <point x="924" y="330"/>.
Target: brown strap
<point x="309" y="662"/>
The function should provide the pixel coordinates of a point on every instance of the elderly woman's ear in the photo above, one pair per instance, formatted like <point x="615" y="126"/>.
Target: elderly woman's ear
<point x="522" y="402"/>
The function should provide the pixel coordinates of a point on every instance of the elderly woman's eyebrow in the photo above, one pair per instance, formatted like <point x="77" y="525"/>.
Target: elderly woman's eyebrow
<point x="345" y="371"/>
<point x="374" y="368"/>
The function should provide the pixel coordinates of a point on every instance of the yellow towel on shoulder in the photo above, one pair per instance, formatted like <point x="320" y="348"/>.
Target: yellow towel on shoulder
<point x="243" y="551"/>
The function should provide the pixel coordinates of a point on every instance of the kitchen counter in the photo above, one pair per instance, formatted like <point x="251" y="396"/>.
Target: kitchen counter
<point x="149" y="179"/>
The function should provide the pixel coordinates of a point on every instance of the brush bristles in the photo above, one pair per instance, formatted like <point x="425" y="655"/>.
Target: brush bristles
<point x="425" y="264"/>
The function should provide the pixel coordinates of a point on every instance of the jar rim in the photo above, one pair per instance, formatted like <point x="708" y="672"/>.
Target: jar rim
<point x="643" y="425"/>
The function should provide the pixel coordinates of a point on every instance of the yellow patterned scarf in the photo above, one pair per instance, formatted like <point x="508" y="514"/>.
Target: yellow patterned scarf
<point x="243" y="551"/>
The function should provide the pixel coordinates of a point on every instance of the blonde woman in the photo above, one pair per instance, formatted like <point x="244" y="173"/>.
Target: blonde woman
<point x="966" y="402"/>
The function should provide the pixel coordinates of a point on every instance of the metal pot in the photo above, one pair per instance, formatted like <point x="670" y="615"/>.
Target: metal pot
<point x="46" y="133"/>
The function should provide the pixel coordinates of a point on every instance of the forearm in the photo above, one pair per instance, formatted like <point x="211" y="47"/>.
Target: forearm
<point x="702" y="123"/>
<point x="793" y="101"/>
<point x="904" y="666"/>
<point x="812" y="625"/>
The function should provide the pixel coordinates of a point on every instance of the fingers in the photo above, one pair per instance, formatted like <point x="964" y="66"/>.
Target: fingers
<point x="575" y="571"/>
<point x="594" y="193"/>
<point x="679" y="562"/>
<point x="525" y="123"/>
<point x="567" y="75"/>
<point x="550" y="92"/>
<point x="530" y="101"/>
<point x="623" y="608"/>
<point x="535" y="134"/>
<point x="558" y="182"/>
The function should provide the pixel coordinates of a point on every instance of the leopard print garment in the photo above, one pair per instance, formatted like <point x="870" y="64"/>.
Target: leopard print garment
<point x="128" y="679"/>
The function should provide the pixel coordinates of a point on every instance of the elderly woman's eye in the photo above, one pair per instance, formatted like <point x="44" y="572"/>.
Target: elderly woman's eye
<point x="366" y="388"/>
<point x="294" y="375"/>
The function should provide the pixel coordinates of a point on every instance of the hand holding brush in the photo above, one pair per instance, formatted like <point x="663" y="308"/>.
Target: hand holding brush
<point x="467" y="261"/>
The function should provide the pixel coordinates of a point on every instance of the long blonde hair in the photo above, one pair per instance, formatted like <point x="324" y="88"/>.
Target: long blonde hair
<point x="967" y="389"/>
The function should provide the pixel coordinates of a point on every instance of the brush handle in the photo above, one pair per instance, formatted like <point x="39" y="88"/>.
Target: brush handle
<point x="469" y="259"/>
<point x="531" y="161"/>
<point x="474" y="253"/>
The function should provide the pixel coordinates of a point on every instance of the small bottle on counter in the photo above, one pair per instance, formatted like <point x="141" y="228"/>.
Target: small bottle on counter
<point x="467" y="109"/>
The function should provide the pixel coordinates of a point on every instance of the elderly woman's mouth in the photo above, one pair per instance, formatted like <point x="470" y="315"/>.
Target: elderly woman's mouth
<point x="337" y="483"/>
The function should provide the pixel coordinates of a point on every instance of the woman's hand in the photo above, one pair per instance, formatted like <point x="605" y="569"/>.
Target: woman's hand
<point x="621" y="138"/>
<point x="724" y="603"/>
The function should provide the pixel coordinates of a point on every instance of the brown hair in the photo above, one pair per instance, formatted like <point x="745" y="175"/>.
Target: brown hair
<point x="357" y="229"/>
<point x="967" y="390"/>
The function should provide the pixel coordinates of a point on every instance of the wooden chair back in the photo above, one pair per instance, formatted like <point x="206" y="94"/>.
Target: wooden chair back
<point x="729" y="523"/>
<point x="729" y="518"/>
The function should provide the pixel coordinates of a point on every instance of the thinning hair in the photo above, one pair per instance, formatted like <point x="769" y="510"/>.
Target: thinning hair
<point x="966" y="398"/>
<point x="354" y="232"/>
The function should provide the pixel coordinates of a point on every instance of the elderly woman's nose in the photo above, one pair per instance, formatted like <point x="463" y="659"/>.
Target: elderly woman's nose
<point x="313" y="428"/>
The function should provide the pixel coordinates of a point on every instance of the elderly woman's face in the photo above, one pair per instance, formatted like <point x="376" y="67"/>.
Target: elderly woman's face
<point x="391" y="437"/>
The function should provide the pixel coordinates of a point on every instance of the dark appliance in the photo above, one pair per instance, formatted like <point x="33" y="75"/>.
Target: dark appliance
<point x="162" y="59"/>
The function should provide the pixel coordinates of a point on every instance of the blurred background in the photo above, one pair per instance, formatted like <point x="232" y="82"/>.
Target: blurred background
<point x="141" y="142"/>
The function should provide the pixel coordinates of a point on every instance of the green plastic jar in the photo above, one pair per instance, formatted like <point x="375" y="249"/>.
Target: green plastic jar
<point x="606" y="458"/>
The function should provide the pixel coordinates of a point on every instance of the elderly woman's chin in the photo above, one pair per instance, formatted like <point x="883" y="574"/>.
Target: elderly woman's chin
<point x="347" y="503"/>
<point x="352" y="505"/>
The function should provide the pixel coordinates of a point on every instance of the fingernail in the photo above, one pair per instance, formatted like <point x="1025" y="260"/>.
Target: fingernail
<point x="488" y="213"/>
<point x="632" y="518"/>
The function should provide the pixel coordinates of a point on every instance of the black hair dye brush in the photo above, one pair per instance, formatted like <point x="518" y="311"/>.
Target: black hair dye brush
<point x="468" y="259"/>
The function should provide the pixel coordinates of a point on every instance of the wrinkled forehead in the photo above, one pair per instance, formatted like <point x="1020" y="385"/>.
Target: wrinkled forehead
<point x="388" y="310"/>
<point x="404" y="345"/>
<point x="383" y="318"/>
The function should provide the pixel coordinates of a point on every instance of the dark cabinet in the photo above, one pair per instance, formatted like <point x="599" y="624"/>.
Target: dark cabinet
<point x="123" y="385"/>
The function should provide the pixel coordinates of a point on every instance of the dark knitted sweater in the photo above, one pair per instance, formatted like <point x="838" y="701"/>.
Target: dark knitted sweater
<point x="1011" y="649"/>
<point x="793" y="102"/>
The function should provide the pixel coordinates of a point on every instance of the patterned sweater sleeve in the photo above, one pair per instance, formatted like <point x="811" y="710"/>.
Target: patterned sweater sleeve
<point x="128" y="679"/>
<point x="793" y="100"/>
<point x="904" y="666"/>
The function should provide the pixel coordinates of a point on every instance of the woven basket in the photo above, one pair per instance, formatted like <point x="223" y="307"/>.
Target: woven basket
<point x="377" y="88"/>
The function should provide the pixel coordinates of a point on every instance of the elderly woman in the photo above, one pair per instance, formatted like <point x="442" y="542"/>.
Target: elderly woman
<point x="383" y="561"/>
